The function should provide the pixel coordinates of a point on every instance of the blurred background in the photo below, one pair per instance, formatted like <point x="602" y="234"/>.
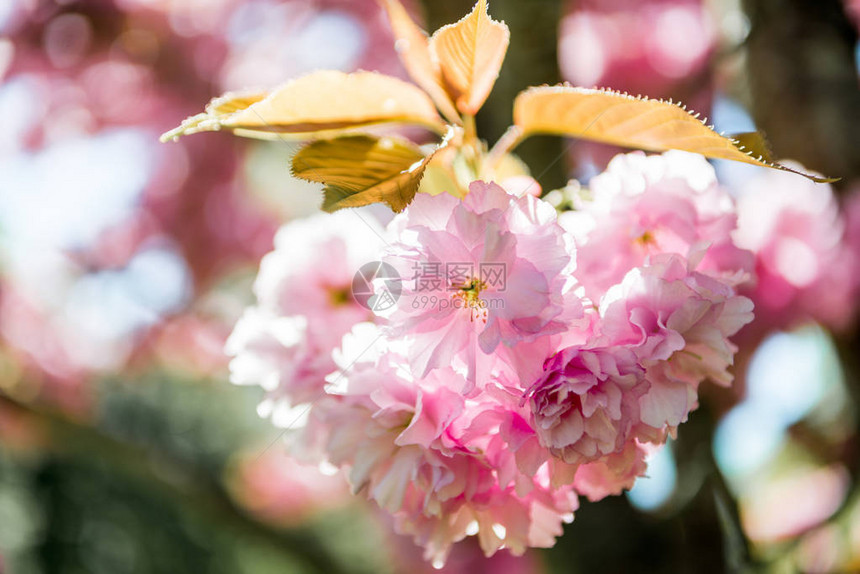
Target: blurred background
<point x="125" y="262"/>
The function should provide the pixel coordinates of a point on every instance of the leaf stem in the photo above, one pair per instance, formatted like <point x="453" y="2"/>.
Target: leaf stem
<point x="512" y="137"/>
<point x="470" y="131"/>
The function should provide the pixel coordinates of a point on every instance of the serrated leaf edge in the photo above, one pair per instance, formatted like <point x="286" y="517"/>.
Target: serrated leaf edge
<point x="561" y="88"/>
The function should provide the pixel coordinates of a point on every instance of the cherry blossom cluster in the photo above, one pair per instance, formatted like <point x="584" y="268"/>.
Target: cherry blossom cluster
<point x="807" y="264"/>
<point x="576" y="347"/>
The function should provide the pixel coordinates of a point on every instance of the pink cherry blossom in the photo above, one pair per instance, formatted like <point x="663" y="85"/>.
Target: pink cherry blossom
<point x="442" y="465"/>
<point x="486" y="271"/>
<point x="311" y="269"/>
<point x="284" y="343"/>
<point x="491" y="419"/>
<point x="586" y="402"/>
<point x="678" y="322"/>
<point x="277" y="354"/>
<point x="612" y="474"/>
<point x="804" y="267"/>
<point x="642" y="206"/>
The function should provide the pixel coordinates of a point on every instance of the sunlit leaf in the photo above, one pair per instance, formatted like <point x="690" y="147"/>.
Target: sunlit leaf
<point x="233" y="102"/>
<point x="325" y="101"/>
<point x="440" y="176"/>
<point x="755" y="143"/>
<point x="636" y="122"/>
<point x="470" y="54"/>
<point x="413" y="47"/>
<point x="362" y="169"/>
<point x="216" y="111"/>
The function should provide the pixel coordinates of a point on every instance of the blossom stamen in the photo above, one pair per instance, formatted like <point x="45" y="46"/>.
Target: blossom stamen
<point x="470" y="294"/>
<point x="647" y="238"/>
<point x="339" y="296"/>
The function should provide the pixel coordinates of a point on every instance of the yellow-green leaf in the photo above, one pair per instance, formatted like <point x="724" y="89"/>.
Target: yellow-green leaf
<point x="216" y="111"/>
<point x="359" y="170"/>
<point x="636" y="122"/>
<point x="321" y="102"/>
<point x="413" y="47"/>
<point x="233" y="102"/>
<point x="755" y="143"/>
<point x="439" y="176"/>
<point x="470" y="53"/>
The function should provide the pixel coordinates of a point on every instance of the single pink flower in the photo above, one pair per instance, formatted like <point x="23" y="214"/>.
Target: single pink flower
<point x="678" y="322"/>
<point x="644" y="206"/>
<point x="586" y="402"/>
<point x="311" y="270"/>
<point x="805" y="269"/>
<point x="304" y="307"/>
<point x="489" y="270"/>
